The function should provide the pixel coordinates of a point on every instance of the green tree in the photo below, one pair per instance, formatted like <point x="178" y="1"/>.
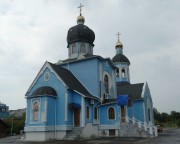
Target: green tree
<point x="164" y="117"/>
<point x="18" y="124"/>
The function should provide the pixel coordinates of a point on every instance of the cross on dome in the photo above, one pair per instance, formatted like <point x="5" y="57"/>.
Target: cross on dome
<point x="118" y="44"/>
<point x="118" y="34"/>
<point x="80" y="8"/>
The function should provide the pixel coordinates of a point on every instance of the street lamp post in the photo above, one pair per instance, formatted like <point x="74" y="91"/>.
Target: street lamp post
<point x="12" y="126"/>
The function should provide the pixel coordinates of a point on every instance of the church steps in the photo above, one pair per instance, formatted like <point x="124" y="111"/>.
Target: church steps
<point x="73" y="134"/>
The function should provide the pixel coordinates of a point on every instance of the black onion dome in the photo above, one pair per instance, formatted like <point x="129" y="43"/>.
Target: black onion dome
<point x="80" y="33"/>
<point x="120" y="58"/>
<point x="45" y="90"/>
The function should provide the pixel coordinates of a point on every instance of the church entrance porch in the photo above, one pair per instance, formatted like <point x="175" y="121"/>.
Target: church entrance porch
<point x="76" y="117"/>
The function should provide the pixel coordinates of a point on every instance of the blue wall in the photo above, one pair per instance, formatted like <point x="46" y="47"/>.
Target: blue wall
<point x="138" y="110"/>
<point x="87" y="73"/>
<point x="130" y="112"/>
<point x="104" y="120"/>
<point x="60" y="101"/>
<point x="147" y="96"/>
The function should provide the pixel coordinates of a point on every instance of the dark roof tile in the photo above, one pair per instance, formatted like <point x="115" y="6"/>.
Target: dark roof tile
<point x="70" y="80"/>
<point x="133" y="90"/>
<point x="120" y="58"/>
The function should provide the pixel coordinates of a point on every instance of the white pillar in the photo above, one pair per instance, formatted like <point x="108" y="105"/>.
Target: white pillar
<point x="144" y="111"/>
<point x="150" y="131"/>
<point x="133" y="120"/>
<point x="155" y="130"/>
<point x="66" y="107"/>
<point x="83" y="111"/>
<point x="139" y="124"/>
<point x="145" y="126"/>
<point x="46" y="108"/>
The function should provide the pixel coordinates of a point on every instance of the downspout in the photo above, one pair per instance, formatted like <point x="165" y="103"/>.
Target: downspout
<point x="55" y="115"/>
<point x="133" y="107"/>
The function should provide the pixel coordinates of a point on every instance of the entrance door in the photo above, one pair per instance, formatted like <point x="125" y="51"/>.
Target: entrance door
<point x="123" y="114"/>
<point x="76" y="117"/>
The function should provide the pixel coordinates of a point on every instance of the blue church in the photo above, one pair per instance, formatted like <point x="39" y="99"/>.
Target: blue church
<point x="87" y="95"/>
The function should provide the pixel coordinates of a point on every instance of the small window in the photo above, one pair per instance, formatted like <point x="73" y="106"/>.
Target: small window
<point x="87" y="112"/>
<point x="83" y="48"/>
<point x="112" y="132"/>
<point x="95" y="113"/>
<point x="106" y="84"/>
<point x="36" y="111"/>
<point x="111" y="113"/>
<point x="74" y="48"/>
<point x="123" y="72"/>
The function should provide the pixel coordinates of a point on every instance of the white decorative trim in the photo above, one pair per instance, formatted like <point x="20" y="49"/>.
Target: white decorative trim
<point x="46" y="65"/>
<point x="83" y="111"/>
<point x="46" y="76"/>
<point x="47" y="128"/>
<point x="46" y="109"/>
<point x="66" y="107"/>
<point x="144" y="112"/>
<point x="143" y="90"/>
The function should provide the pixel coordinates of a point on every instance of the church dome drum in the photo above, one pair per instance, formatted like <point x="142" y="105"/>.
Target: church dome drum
<point x="81" y="33"/>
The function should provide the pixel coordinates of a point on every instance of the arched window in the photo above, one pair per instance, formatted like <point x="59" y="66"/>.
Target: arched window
<point x="123" y="72"/>
<point x="117" y="72"/>
<point x="111" y="113"/>
<point x="83" y="48"/>
<point x="95" y="113"/>
<point x="36" y="111"/>
<point x="106" y="84"/>
<point x="74" y="48"/>
<point x="87" y="112"/>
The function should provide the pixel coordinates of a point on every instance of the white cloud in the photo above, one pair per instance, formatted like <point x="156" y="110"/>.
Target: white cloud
<point x="32" y="32"/>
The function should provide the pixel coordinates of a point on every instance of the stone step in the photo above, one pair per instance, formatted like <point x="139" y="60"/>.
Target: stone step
<point x="73" y="134"/>
<point x="130" y="130"/>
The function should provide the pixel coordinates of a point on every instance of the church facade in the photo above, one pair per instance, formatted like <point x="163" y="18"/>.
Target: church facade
<point x="87" y="95"/>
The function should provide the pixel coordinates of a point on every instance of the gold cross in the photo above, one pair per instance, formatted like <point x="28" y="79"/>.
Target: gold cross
<point x="118" y="34"/>
<point x="80" y="8"/>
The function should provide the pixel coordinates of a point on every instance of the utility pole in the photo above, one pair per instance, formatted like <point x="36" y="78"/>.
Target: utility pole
<point x="12" y="126"/>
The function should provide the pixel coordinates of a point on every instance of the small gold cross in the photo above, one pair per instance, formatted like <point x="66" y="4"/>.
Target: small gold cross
<point x="80" y="8"/>
<point x="118" y="34"/>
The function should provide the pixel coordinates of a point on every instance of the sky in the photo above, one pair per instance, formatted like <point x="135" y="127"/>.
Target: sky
<point x="35" y="31"/>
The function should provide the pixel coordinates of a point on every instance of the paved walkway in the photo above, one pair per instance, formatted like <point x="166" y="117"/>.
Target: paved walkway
<point x="171" y="136"/>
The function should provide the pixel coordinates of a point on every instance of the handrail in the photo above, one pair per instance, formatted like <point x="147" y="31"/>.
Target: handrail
<point x="150" y="128"/>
